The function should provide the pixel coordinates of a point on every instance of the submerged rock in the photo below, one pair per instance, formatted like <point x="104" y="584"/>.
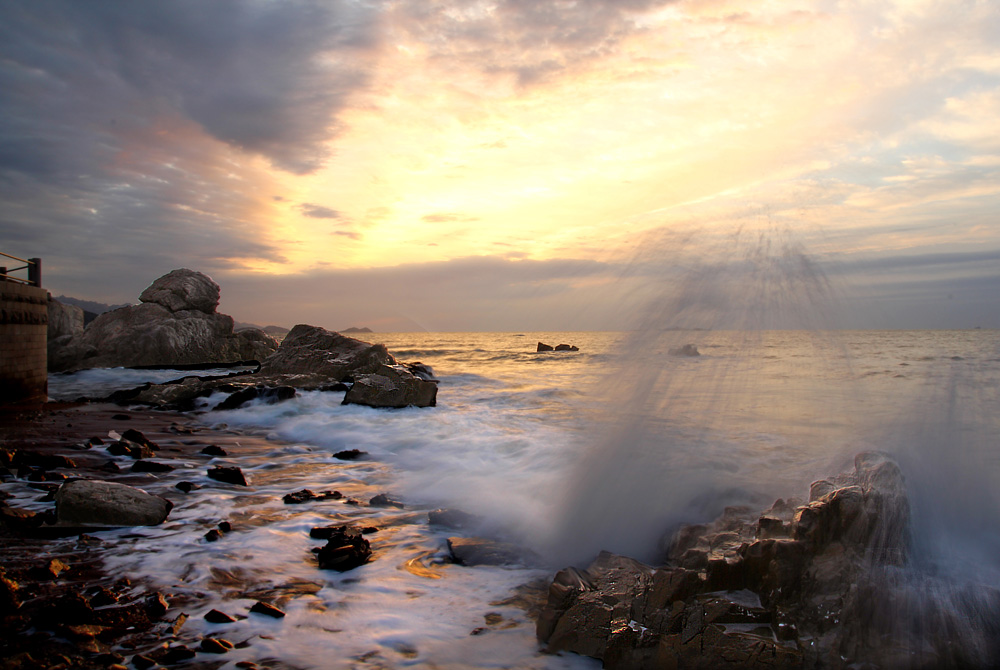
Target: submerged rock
<point x="686" y="350"/>
<point x="100" y="503"/>
<point x="791" y="587"/>
<point x="345" y="549"/>
<point x="472" y="551"/>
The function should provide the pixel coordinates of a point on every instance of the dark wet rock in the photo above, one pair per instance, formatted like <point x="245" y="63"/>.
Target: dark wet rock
<point x="685" y="350"/>
<point x="265" y="394"/>
<point x="795" y="586"/>
<point x="121" y="417"/>
<point x="125" y="447"/>
<point x="543" y="347"/>
<point x="228" y="475"/>
<point x="350" y="454"/>
<point x="156" y="604"/>
<point x="99" y="503"/>
<point x="453" y="518"/>
<point x="142" y="662"/>
<point x="418" y="369"/>
<point x="186" y="487"/>
<point x="305" y="495"/>
<point x="103" y="597"/>
<point x="51" y="570"/>
<point x="213" y="450"/>
<point x="215" y="616"/>
<point x="151" y="466"/>
<point x="133" y="435"/>
<point x="383" y="500"/>
<point x="345" y="550"/>
<point x="10" y="599"/>
<point x="267" y="610"/>
<point x="339" y="530"/>
<point x="225" y="526"/>
<point x="391" y="386"/>
<point x="566" y="347"/>
<point x="215" y="645"/>
<point x="472" y="551"/>
<point x="26" y="459"/>
<point x="213" y="535"/>
<point x="174" y="655"/>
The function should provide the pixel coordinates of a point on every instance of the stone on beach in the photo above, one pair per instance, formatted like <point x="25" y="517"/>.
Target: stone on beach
<point x="472" y="551"/>
<point x="228" y="474"/>
<point x="99" y="503"/>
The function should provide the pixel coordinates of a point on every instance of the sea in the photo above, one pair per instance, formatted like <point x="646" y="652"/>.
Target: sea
<point x="563" y="454"/>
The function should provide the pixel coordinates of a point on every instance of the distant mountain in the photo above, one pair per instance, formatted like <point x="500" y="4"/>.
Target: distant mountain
<point x="87" y="305"/>
<point x="273" y="331"/>
<point x="357" y="330"/>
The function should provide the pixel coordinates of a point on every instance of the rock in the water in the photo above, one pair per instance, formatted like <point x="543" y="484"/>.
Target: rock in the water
<point x="794" y="586"/>
<point x="310" y="350"/>
<point x="345" y="550"/>
<point x="266" y="609"/>
<point x="175" y="324"/>
<point x="229" y="475"/>
<point x="350" y="454"/>
<point x="266" y="395"/>
<point x="383" y="500"/>
<point x="454" y="518"/>
<point x="99" y="503"/>
<point x="392" y="386"/>
<point x="305" y="495"/>
<point x="471" y="551"/>
<point x="566" y="347"/>
<point x="215" y="616"/>
<point x="543" y="347"/>
<point x="151" y="466"/>
<point x="686" y="350"/>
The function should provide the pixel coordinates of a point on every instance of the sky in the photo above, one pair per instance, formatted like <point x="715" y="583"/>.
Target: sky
<point x="459" y="165"/>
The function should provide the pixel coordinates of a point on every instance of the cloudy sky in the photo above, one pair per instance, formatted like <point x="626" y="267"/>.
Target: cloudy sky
<point x="511" y="164"/>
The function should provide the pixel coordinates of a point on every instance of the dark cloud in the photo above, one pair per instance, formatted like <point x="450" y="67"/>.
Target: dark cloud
<point x="318" y="211"/>
<point x="348" y="233"/>
<point x="266" y="77"/>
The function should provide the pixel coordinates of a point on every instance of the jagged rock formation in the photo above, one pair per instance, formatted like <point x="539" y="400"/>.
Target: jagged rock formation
<point x="175" y="324"/>
<point x="813" y="585"/>
<point x="64" y="319"/>
<point x="392" y="386"/>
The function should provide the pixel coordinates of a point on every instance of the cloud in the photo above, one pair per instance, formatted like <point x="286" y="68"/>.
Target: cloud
<point x="448" y="217"/>
<point x="318" y="211"/>
<point x="267" y="78"/>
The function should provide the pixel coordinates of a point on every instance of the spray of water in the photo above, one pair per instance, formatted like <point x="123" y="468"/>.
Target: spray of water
<point x="676" y="428"/>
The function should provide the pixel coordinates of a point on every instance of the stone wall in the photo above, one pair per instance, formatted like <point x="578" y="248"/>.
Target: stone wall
<point x="24" y="320"/>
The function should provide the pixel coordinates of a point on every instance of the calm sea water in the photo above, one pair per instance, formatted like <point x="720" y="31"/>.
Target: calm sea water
<point x="567" y="453"/>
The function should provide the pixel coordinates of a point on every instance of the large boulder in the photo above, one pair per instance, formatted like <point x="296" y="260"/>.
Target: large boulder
<point x="392" y="386"/>
<point x="98" y="503"/>
<point x="311" y="350"/>
<point x="176" y="324"/>
<point x="64" y="319"/>
<point x="183" y="289"/>
<point x="799" y="585"/>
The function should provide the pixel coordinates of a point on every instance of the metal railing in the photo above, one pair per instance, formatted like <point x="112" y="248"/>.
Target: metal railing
<point x="32" y="265"/>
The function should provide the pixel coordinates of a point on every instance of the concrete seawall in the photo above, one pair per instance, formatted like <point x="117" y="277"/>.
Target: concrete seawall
<point x="24" y="318"/>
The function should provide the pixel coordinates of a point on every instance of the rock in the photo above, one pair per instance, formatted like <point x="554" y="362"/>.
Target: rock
<point x="472" y="551"/>
<point x="125" y="447"/>
<point x="186" y="487"/>
<point x="350" y="454"/>
<point x="175" y="324"/>
<point x="267" y="396"/>
<point x="213" y="535"/>
<point x="99" y="503"/>
<point x="543" y="347"/>
<point x="345" y="550"/>
<point x="151" y="466"/>
<point x="229" y="475"/>
<point x="794" y="586"/>
<point x="315" y="351"/>
<point x="566" y="347"/>
<point x="391" y="386"/>
<point x="686" y="350"/>
<point x="183" y="289"/>
<point x="215" y="616"/>
<point x="267" y="610"/>
<point x="213" y="450"/>
<point x="328" y="532"/>
<point x="64" y="320"/>
<point x="305" y="495"/>
<point x="136" y="437"/>
<point x="383" y="500"/>
<point x="215" y="645"/>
